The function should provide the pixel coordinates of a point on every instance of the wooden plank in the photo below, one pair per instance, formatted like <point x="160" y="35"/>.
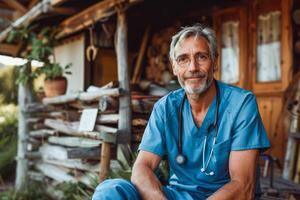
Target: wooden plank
<point x="74" y="141"/>
<point x="16" y="5"/>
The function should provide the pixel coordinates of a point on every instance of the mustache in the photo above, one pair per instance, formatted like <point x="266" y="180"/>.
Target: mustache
<point x="197" y="74"/>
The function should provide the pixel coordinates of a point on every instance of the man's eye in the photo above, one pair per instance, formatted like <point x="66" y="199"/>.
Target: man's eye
<point x="201" y="57"/>
<point x="182" y="60"/>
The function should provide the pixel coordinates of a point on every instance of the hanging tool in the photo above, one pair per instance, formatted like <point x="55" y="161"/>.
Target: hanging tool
<point x="92" y="50"/>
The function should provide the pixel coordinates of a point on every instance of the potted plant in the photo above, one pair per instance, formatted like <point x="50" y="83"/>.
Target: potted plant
<point x="55" y="82"/>
<point x="39" y="46"/>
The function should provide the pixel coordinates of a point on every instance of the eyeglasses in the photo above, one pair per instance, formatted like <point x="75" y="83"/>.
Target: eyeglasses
<point x="200" y="58"/>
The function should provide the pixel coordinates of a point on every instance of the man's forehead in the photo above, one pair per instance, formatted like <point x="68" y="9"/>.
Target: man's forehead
<point x="197" y="39"/>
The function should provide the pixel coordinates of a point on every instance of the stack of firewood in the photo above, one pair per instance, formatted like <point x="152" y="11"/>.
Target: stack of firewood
<point x="58" y="151"/>
<point x="158" y="67"/>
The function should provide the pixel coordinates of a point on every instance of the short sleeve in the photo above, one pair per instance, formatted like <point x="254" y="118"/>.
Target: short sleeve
<point x="153" y="139"/>
<point x="248" y="130"/>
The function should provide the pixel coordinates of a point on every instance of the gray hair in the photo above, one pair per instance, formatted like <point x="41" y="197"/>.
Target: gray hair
<point x="196" y="31"/>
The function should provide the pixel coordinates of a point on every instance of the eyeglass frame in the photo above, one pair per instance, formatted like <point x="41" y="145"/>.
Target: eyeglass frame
<point x="198" y="60"/>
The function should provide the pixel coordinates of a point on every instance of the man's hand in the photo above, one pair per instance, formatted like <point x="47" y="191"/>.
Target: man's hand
<point x="143" y="176"/>
<point x="242" y="169"/>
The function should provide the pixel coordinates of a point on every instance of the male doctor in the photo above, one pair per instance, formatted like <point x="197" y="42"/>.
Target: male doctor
<point x="210" y="132"/>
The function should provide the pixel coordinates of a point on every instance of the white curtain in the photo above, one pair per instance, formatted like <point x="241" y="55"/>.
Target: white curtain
<point x="230" y="52"/>
<point x="268" y="47"/>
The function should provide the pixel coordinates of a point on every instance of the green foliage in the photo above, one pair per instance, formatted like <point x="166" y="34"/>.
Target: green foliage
<point x="78" y="191"/>
<point x="53" y="70"/>
<point x="8" y="135"/>
<point x="8" y="88"/>
<point x="32" y="190"/>
<point x="40" y="45"/>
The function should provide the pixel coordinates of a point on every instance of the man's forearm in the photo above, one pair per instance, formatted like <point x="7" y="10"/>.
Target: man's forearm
<point x="147" y="183"/>
<point x="234" y="190"/>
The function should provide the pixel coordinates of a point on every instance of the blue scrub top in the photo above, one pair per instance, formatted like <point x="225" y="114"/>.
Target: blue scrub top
<point x="240" y="128"/>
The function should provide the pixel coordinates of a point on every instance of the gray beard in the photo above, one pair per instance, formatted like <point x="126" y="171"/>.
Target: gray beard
<point x="198" y="90"/>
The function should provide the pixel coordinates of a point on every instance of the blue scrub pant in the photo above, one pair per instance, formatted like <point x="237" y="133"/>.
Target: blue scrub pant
<point x="119" y="189"/>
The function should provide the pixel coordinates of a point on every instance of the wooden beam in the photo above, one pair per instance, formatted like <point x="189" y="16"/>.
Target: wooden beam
<point x="123" y="76"/>
<point x="90" y="15"/>
<point x="16" y="5"/>
<point x="26" y="18"/>
<point x="105" y="161"/>
<point x="24" y="96"/>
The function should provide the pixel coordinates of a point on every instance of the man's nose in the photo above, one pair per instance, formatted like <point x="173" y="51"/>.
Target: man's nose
<point x="193" y="65"/>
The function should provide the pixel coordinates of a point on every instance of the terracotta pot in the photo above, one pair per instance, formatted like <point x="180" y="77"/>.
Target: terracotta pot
<point x="55" y="87"/>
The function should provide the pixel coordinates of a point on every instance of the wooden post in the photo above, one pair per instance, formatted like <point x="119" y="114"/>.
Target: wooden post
<point x="25" y="97"/>
<point x="124" y="126"/>
<point x="104" y="161"/>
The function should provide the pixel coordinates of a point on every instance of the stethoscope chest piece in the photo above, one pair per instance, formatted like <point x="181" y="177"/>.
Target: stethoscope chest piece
<point x="180" y="159"/>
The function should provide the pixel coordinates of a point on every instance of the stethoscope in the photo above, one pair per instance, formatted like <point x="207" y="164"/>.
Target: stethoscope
<point x="180" y="158"/>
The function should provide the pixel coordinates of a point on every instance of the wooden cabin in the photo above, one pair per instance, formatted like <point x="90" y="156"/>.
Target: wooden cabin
<point x="258" y="44"/>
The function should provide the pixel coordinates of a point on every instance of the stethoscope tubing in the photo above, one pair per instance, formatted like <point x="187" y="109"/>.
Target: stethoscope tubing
<point x="180" y="158"/>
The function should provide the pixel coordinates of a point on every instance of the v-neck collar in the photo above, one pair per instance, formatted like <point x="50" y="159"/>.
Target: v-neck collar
<point x="207" y="121"/>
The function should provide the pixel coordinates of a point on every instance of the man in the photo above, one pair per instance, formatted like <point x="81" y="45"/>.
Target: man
<point x="210" y="132"/>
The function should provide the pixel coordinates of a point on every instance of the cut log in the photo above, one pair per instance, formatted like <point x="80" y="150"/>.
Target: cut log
<point x="82" y="96"/>
<point x="71" y="128"/>
<point x="60" y="174"/>
<point x="84" y="153"/>
<point x="106" y="129"/>
<point x="108" y="118"/>
<point x="74" y="141"/>
<point x="38" y="107"/>
<point x="37" y="176"/>
<point x="142" y="106"/>
<point x="55" y="173"/>
<point x="53" y="152"/>
<point x="107" y="103"/>
<point x="74" y="164"/>
<point x="112" y="84"/>
<point x="139" y="122"/>
<point x="33" y="155"/>
<point x="33" y="145"/>
<point x="34" y="120"/>
<point x="42" y="133"/>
